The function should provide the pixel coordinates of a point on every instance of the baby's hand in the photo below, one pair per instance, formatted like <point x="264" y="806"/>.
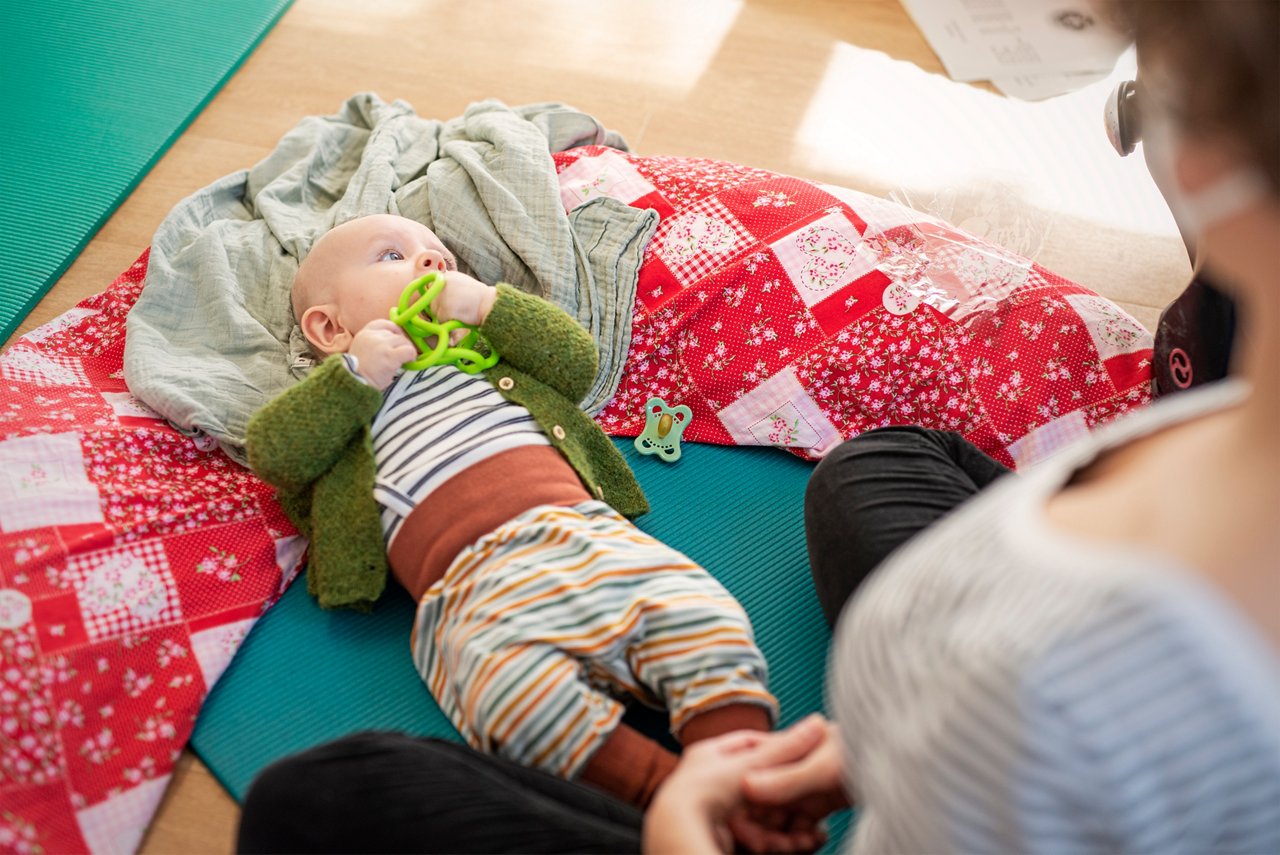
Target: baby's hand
<point x="381" y="348"/>
<point x="465" y="299"/>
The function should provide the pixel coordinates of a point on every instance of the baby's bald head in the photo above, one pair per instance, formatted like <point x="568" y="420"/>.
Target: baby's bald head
<point x="310" y="284"/>
<point x="356" y="272"/>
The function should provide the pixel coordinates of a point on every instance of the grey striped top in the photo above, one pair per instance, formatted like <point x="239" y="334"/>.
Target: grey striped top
<point x="433" y="424"/>
<point x="1002" y="686"/>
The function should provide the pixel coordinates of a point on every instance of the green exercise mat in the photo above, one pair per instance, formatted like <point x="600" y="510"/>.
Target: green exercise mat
<point x="305" y="676"/>
<point x="97" y="91"/>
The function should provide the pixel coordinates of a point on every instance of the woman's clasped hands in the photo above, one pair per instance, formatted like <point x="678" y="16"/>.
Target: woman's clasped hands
<point x="765" y="792"/>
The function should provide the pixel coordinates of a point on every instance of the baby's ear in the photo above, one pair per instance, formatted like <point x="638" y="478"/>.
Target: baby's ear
<point x="321" y="327"/>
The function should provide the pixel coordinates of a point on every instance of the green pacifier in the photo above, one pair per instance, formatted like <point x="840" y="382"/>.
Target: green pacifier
<point x="663" y="427"/>
<point x="413" y="315"/>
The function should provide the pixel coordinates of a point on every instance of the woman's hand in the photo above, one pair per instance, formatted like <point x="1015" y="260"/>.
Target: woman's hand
<point x="800" y="791"/>
<point x="380" y="348"/>
<point x="704" y="806"/>
<point x="464" y="298"/>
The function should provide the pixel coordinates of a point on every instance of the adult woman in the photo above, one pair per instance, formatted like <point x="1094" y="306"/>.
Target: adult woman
<point x="1086" y="656"/>
<point x="1082" y="657"/>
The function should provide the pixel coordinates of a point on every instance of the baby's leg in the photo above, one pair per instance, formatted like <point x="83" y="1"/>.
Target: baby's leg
<point x="504" y="642"/>
<point x="726" y="718"/>
<point x="698" y="654"/>
<point x="528" y="702"/>
<point x="498" y="642"/>
<point x="678" y="636"/>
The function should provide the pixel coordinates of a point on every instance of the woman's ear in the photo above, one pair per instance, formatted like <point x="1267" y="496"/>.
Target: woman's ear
<point x="322" y="328"/>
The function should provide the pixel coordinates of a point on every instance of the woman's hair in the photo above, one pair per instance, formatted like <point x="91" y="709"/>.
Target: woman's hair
<point x="1224" y="57"/>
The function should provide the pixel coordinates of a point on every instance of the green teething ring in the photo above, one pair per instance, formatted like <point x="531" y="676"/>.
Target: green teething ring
<point x="413" y="315"/>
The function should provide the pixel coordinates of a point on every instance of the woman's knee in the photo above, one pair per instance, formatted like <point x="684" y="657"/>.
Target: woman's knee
<point x="327" y="764"/>
<point x="894" y="439"/>
<point x="860" y="505"/>
<point x="828" y="479"/>
<point x="830" y="496"/>
<point x="279" y="805"/>
<point x="305" y="801"/>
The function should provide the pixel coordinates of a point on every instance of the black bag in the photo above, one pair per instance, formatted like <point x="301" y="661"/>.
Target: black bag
<point x="1193" y="338"/>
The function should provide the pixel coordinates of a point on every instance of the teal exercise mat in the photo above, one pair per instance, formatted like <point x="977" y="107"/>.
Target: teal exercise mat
<point x="96" y="93"/>
<point x="305" y="676"/>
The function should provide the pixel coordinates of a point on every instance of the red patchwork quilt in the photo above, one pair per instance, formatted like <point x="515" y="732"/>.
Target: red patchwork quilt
<point x="794" y="314"/>
<point x="132" y="564"/>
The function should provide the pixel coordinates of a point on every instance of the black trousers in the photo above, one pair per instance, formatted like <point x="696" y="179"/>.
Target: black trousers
<point x="391" y="792"/>
<point x="875" y="492"/>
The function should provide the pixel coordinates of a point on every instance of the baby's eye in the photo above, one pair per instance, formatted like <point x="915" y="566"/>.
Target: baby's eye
<point x="391" y="255"/>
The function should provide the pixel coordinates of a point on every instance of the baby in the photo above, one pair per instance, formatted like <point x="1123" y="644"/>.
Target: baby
<point x="501" y="509"/>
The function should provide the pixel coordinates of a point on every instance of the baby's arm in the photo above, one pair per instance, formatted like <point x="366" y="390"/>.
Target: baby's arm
<point x="530" y="333"/>
<point x="301" y="433"/>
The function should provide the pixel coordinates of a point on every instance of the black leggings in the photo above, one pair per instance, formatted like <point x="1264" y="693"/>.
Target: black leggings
<point x="390" y="792"/>
<point x="874" y="492"/>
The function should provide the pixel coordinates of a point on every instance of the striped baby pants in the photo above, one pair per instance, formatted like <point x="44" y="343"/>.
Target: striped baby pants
<point x="538" y="628"/>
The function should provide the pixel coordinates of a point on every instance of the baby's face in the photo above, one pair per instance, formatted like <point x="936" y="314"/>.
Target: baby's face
<point x="356" y="272"/>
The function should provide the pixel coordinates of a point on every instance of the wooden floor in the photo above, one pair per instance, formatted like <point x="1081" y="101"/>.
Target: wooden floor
<point x="844" y="91"/>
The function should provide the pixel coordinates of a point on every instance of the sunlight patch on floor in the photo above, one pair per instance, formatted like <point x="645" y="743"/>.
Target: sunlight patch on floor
<point x="924" y="137"/>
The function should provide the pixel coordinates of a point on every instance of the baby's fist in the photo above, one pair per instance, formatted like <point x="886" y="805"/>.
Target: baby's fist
<point x="380" y="348"/>
<point x="464" y="299"/>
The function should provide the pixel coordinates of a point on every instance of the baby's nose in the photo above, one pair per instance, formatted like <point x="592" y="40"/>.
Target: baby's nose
<point x="432" y="260"/>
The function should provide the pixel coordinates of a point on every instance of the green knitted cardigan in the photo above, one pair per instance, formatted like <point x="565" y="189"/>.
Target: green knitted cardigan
<point x="313" y="443"/>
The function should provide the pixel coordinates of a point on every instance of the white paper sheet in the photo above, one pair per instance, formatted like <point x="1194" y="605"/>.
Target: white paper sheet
<point x="1037" y="87"/>
<point x="984" y="39"/>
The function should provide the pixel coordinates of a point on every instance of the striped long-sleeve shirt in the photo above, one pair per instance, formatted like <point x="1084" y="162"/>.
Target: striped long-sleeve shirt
<point x="433" y="424"/>
<point x="1001" y="686"/>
